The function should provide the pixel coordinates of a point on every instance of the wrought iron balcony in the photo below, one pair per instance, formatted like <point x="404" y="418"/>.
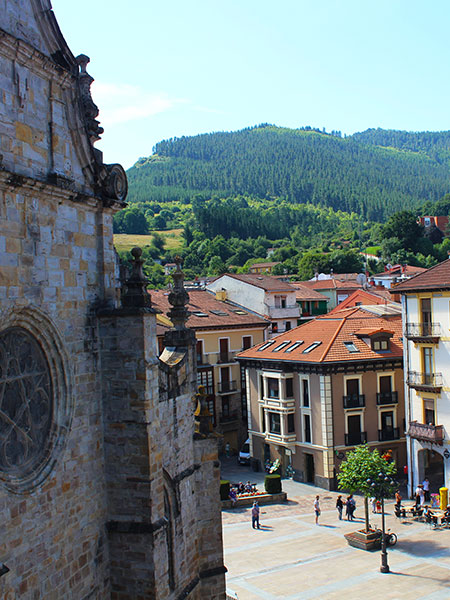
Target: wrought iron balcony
<point x="354" y="401"/>
<point x="426" y="433"/>
<point x="426" y="332"/>
<point x="226" y="387"/>
<point x="426" y="382"/>
<point x="387" y="398"/>
<point x="354" y="439"/>
<point x="390" y="433"/>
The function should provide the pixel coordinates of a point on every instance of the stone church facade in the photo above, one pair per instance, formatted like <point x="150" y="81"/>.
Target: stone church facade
<point x="108" y="481"/>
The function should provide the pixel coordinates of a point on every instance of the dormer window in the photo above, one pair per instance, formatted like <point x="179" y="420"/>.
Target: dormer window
<point x="380" y="344"/>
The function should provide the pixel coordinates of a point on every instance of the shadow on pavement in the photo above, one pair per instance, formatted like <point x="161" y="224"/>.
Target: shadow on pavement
<point x="425" y="548"/>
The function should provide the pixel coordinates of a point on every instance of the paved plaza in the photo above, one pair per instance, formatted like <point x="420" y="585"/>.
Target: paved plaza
<point x="292" y="558"/>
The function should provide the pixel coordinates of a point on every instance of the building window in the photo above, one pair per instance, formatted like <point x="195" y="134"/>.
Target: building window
<point x="246" y="342"/>
<point x="425" y="309"/>
<point x="287" y="325"/>
<point x="261" y="387"/>
<point x="225" y="406"/>
<point x="429" y="412"/>
<point x="199" y="352"/>
<point x="378" y="345"/>
<point x="244" y="411"/>
<point x="307" y="428"/>
<point x="274" y="327"/>
<point x="427" y="361"/>
<point x="280" y="301"/>
<point x="281" y="346"/>
<point x="289" y="388"/>
<point x="311" y="347"/>
<point x="351" y="347"/>
<point x="305" y="392"/>
<point x="274" y="423"/>
<point x="273" y="387"/>
<point x="291" y="423"/>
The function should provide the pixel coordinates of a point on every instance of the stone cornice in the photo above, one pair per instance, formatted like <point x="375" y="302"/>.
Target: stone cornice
<point x="61" y="190"/>
<point x="37" y="62"/>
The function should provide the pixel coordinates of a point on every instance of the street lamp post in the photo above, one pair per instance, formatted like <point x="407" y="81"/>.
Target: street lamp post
<point x="382" y="486"/>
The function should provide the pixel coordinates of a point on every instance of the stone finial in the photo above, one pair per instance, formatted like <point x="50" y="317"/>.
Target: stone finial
<point x="89" y="107"/>
<point x="136" y="295"/>
<point x="202" y="416"/>
<point x="178" y="298"/>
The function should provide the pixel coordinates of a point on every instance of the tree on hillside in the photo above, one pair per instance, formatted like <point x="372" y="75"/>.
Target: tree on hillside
<point x="346" y="261"/>
<point x="131" y="221"/>
<point x="361" y="466"/>
<point x="312" y="262"/>
<point x="403" y="225"/>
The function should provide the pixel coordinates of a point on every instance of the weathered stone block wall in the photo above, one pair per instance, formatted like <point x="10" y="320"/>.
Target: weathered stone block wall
<point x="52" y="538"/>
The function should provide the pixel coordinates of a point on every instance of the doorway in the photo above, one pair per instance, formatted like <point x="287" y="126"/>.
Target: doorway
<point x="309" y="468"/>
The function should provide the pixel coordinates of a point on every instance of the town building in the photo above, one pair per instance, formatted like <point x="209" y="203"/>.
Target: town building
<point x="370" y="297"/>
<point x="334" y="289"/>
<point x="310" y="302"/>
<point x="440" y="222"/>
<point x="222" y="329"/>
<point x="108" y="463"/>
<point x="426" y="316"/>
<point x="394" y="274"/>
<point x="317" y="391"/>
<point x="273" y="299"/>
<point x="264" y="268"/>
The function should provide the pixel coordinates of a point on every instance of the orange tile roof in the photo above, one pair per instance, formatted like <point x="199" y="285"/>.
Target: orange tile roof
<point x="266" y="282"/>
<point x="436" y="278"/>
<point x="331" y="331"/>
<point x="304" y="293"/>
<point x="369" y="297"/>
<point x="329" y="284"/>
<point x="365" y="331"/>
<point x="207" y="312"/>
<point x="400" y="270"/>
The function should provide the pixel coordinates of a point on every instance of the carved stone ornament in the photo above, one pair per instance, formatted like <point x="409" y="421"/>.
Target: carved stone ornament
<point x="26" y="404"/>
<point x="115" y="183"/>
<point x="178" y="298"/>
<point x="136" y="295"/>
<point x="90" y="109"/>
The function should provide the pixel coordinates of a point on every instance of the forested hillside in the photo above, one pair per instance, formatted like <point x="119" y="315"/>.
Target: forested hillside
<point x="374" y="173"/>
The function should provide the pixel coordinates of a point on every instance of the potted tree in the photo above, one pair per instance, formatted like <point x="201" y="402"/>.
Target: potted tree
<point x="366" y="472"/>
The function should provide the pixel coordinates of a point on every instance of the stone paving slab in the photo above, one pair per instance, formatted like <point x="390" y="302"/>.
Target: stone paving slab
<point x="296" y="560"/>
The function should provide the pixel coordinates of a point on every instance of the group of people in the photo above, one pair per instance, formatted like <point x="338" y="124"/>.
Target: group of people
<point x="350" y="507"/>
<point x="240" y="488"/>
<point x="422" y="493"/>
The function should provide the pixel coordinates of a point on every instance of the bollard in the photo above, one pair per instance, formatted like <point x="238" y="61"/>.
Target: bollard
<point x="443" y="495"/>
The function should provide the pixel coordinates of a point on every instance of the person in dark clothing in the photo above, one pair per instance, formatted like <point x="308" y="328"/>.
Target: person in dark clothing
<point x="339" y="506"/>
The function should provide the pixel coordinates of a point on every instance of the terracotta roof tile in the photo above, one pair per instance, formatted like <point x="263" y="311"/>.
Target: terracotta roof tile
<point x="207" y="312"/>
<point x="436" y="278"/>
<point x="369" y="297"/>
<point x="266" y="282"/>
<point x="304" y="293"/>
<point x="329" y="284"/>
<point x="332" y="331"/>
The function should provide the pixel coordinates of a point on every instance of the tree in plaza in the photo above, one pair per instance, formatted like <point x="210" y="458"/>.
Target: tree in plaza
<point x="360" y="469"/>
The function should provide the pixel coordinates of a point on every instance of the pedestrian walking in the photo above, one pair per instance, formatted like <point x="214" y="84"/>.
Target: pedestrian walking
<point x="255" y="515"/>
<point x="339" y="506"/>
<point x="426" y="489"/>
<point x="317" y="509"/>
<point x="351" y="507"/>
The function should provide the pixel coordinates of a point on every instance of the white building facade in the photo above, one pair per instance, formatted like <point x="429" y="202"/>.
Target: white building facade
<point x="426" y="324"/>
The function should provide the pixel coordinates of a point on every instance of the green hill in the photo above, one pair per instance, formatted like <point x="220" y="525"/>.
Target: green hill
<point x="374" y="173"/>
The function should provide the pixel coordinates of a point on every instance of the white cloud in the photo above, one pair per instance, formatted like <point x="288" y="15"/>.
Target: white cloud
<point x="123" y="103"/>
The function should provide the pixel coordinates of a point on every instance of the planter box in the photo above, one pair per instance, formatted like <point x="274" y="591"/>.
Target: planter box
<point x="364" y="541"/>
<point x="260" y="499"/>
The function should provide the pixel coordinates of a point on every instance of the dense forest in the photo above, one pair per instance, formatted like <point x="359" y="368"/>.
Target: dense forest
<point x="316" y="199"/>
<point x="371" y="173"/>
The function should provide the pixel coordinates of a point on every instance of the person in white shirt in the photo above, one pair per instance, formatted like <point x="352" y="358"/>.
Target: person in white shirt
<point x="317" y="509"/>
<point x="426" y="489"/>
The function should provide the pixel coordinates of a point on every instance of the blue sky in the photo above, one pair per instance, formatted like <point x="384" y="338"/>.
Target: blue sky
<point x="182" y="67"/>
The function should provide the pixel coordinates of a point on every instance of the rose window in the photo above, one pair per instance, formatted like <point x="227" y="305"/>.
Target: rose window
<point x="26" y="404"/>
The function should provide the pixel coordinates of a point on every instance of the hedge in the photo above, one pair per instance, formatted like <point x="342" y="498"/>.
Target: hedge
<point x="272" y="484"/>
<point x="224" y="489"/>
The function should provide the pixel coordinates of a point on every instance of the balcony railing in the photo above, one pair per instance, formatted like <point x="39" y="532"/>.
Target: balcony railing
<point x="387" y="398"/>
<point x="428" y="382"/>
<point x="285" y="312"/>
<point x="426" y="433"/>
<point x="354" y="401"/>
<point x="425" y="331"/>
<point x="353" y="439"/>
<point x="225" y="387"/>
<point x="391" y="433"/>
